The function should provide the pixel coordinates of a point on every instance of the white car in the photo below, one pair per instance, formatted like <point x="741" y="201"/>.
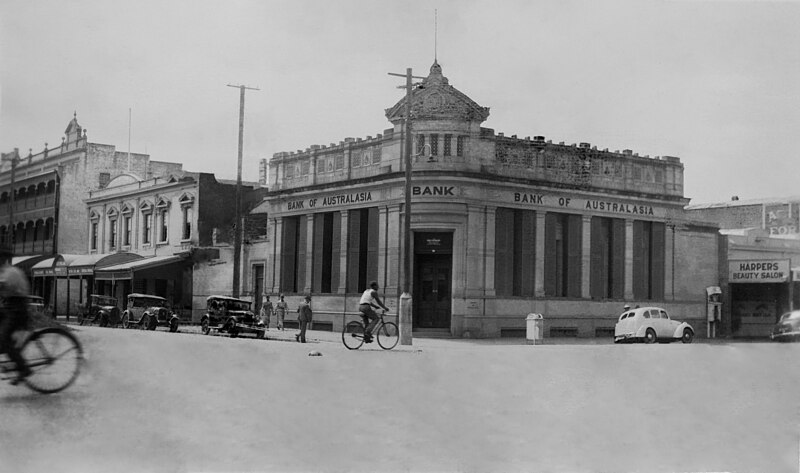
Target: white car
<point x="651" y="324"/>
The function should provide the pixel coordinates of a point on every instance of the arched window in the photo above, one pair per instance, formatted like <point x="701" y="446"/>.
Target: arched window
<point x="94" y="229"/>
<point x="113" y="227"/>
<point x="162" y="210"/>
<point x="187" y="216"/>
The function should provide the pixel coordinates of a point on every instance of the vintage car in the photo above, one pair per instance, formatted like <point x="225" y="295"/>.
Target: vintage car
<point x="230" y="315"/>
<point x="788" y="328"/>
<point x="101" y="310"/>
<point x="651" y="324"/>
<point x="148" y="312"/>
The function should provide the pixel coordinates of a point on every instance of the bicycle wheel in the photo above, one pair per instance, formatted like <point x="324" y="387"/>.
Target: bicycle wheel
<point x="388" y="335"/>
<point x="353" y="335"/>
<point x="54" y="356"/>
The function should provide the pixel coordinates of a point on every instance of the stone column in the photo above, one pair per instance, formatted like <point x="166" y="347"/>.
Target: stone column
<point x="275" y="255"/>
<point x="309" y="254"/>
<point x="669" y="268"/>
<point x="389" y="252"/>
<point x="628" y="259"/>
<point x="586" y="257"/>
<point x="343" y="253"/>
<point x="539" y="269"/>
<point x="479" y="264"/>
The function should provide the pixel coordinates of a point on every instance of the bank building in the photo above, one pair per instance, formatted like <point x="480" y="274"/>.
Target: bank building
<point x="502" y="226"/>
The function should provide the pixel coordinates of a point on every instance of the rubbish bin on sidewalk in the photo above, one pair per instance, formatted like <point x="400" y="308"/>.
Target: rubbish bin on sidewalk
<point x="535" y="328"/>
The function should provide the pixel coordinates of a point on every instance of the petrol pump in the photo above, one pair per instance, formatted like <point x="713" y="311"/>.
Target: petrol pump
<point x="713" y="309"/>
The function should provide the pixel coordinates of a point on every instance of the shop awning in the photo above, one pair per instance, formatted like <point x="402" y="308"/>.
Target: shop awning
<point x="126" y="270"/>
<point x="46" y="267"/>
<point x="87" y="264"/>
<point x="26" y="263"/>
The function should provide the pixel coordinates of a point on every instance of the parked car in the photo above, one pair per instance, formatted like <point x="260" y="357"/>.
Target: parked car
<point x="148" y="312"/>
<point x="101" y="310"/>
<point x="231" y="315"/>
<point x="651" y="324"/>
<point x="788" y="327"/>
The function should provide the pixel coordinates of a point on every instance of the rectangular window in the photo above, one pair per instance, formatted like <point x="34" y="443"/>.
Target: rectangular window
<point x="562" y="255"/>
<point x="147" y="228"/>
<point x="288" y="170"/>
<point x="362" y="248"/>
<point x="112" y="234"/>
<point x="127" y="231"/>
<point x="186" y="232"/>
<point x="447" y="139"/>
<point x="376" y="155"/>
<point x="607" y="275"/>
<point x="355" y="159"/>
<point x="163" y="225"/>
<point x="460" y="145"/>
<point x="648" y="260"/>
<point x="293" y="257"/>
<point x="420" y="144"/>
<point x="515" y="252"/>
<point x="94" y="236"/>
<point x="339" y="164"/>
<point x="327" y="244"/>
<point x="434" y="144"/>
<point x="305" y="166"/>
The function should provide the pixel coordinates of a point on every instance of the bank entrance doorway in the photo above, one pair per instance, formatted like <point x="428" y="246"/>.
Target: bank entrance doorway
<point x="433" y="268"/>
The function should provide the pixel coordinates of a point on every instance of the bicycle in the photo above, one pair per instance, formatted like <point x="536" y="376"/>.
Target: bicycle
<point x="386" y="333"/>
<point x="54" y="356"/>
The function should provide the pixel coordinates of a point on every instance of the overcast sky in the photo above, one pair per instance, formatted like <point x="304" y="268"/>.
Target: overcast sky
<point x="716" y="83"/>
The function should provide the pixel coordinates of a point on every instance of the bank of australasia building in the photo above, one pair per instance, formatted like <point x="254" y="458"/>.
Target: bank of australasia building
<point x="502" y="227"/>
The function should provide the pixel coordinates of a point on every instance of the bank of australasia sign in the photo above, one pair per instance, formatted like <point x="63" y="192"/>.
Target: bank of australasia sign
<point x="758" y="271"/>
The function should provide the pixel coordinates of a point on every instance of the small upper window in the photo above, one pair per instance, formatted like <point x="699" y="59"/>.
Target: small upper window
<point x="646" y="314"/>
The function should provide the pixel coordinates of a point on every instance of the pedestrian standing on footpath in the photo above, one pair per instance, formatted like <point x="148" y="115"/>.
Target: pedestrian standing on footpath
<point x="266" y="312"/>
<point x="304" y="316"/>
<point x="280" y="312"/>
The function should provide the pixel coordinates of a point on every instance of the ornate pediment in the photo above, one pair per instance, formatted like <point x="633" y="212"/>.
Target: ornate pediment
<point x="436" y="99"/>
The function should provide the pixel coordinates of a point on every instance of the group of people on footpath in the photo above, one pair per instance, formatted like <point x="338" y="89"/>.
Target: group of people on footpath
<point x="366" y="306"/>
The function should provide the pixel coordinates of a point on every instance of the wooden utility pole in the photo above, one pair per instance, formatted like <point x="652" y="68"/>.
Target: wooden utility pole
<point x="405" y="317"/>
<point x="13" y="158"/>
<point x="237" y="230"/>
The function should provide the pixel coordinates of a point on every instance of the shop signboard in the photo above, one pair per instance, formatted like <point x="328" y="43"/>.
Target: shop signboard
<point x="758" y="271"/>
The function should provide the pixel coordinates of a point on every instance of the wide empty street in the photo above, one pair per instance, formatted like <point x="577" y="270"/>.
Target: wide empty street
<point x="181" y="402"/>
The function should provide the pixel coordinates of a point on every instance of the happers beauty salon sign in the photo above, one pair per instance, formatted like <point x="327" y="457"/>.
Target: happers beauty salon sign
<point x="758" y="271"/>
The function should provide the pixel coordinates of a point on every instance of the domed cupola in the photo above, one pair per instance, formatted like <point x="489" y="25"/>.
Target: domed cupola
<point x="435" y="99"/>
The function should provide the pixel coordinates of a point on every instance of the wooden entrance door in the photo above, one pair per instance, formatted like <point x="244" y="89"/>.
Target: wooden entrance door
<point x="432" y="291"/>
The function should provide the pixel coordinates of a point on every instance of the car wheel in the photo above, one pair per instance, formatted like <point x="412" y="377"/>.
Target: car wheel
<point x="650" y="336"/>
<point x="232" y="330"/>
<point x="152" y="323"/>
<point x="126" y="321"/>
<point x="688" y="336"/>
<point x="145" y="322"/>
<point x="204" y="327"/>
<point x="173" y="325"/>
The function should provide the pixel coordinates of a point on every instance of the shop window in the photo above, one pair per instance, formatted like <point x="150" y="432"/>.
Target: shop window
<point x="293" y="241"/>
<point x="362" y="248"/>
<point x="607" y="273"/>
<point x="515" y="252"/>
<point x="648" y="260"/>
<point x="562" y="255"/>
<point x="326" y="252"/>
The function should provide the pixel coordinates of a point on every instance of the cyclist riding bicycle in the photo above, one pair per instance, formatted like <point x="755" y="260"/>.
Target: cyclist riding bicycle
<point x="14" y="289"/>
<point x="367" y="305"/>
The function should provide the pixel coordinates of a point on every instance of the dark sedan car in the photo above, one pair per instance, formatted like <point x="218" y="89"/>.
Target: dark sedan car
<point x="788" y="327"/>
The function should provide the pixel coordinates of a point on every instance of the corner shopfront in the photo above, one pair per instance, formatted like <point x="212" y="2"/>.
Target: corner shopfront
<point x="760" y="291"/>
<point x="486" y="253"/>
